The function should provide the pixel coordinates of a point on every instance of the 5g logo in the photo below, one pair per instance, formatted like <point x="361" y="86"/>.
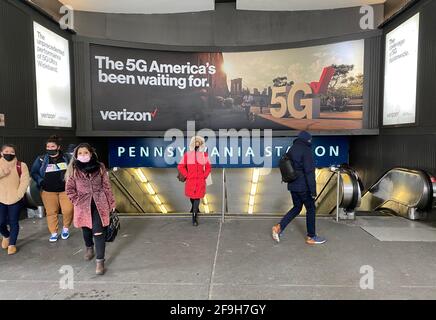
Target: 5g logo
<point x="67" y="280"/>
<point x="301" y="95"/>
<point x="367" y="280"/>
<point x="67" y="19"/>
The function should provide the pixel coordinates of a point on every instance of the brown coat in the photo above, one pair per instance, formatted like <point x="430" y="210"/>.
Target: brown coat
<point x="12" y="187"/>
<point x="81" y="189"/>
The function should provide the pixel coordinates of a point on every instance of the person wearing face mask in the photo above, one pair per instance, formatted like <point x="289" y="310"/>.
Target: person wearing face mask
<point x="89" y="189"/>
<point x="195" y="167"/>
<point x="48" y="172"/>
<point x="14" y="180"/>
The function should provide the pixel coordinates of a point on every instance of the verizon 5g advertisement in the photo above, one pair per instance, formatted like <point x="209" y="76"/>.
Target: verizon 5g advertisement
<point x="401" y="69"/>
<point x="312" y="88"/>
<point x="52" y="68"/>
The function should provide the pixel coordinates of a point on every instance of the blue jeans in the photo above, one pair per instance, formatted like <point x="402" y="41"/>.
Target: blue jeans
<point x="10" y="214"/>
<point x="299" y="199"/>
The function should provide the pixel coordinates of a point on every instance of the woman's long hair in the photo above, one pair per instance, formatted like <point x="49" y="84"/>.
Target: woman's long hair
<point x="72" y="165"/>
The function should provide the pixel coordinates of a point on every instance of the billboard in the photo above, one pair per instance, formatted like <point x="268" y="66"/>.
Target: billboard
<point x="401" y="71"/>
<point x="52" y="70"/>
<point x="314" y="88"/>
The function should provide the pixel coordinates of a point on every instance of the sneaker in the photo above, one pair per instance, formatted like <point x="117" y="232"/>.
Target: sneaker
<point x="276" y="233"/>
<point x="315" y="240"/>
<point x="54" y="237"/>
<point x="12" y="250"/>
<point x="65" y="234"/>
<point x="5" y="243"/>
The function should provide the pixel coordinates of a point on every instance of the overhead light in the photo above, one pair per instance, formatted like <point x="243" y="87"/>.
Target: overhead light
<point x="206" y="205"/>
<point x="250" y="209"/>
<point x="163" y="209"/>
<point x="251" y="201"/>
<point x="150" y="189"/>
<point x="157" y="200"/>
<point x="255" y="175"/>
<point x="141" y="175"/>
<point x="253" y="190"/>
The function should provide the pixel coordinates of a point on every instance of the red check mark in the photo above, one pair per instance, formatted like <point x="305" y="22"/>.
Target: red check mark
<point x="321" y="86"/>
<point x="153" y="114"/>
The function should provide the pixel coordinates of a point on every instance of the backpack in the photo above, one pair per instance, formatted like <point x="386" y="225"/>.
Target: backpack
<point x="19" y="170"/>
<point x="287" y="170"/>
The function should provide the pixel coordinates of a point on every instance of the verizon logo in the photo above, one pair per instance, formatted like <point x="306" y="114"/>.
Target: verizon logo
<point x="125" y="115"/>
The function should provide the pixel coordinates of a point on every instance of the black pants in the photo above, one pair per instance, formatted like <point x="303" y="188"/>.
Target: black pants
<point x="195" y="205"/>
<point x="89" y="235"/>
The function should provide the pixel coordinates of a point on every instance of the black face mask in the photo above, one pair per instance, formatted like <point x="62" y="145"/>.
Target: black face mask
<point x="52" y="152"/>
<point x="9" y="157"/>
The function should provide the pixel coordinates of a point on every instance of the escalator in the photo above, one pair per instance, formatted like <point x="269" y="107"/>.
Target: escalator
<point x="404" y="192"/>
<point x="350" y="188"/>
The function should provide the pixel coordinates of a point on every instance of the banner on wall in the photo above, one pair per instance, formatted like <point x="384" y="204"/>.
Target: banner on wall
<point x="312" y="88"/>
<point x="247" y="153"/>
<point x="401" y="71"/>
<point x="52" y="69"/>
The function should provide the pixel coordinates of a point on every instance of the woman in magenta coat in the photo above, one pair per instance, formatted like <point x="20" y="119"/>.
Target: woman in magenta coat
<point x="195" y="167"/>
<point x="89" y="189"/>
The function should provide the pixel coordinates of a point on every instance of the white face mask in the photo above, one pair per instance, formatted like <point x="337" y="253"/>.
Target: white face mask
<point x="84" y="158"/>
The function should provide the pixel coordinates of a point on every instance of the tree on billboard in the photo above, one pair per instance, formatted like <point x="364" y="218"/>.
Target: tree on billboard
<point x="341" y="73"/>
<point x="343" y="87"/>
<point x="282" y="82"/>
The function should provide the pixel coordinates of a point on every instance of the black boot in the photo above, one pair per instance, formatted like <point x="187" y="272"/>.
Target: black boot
<point x="194" y="219"/>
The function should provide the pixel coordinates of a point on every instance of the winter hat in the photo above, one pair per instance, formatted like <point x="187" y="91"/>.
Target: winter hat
<point x="192" y="143"/>
<point x="304" y="135"/>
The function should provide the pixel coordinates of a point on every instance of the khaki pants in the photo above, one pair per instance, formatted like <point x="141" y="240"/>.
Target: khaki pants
<point x="53" y="201"/>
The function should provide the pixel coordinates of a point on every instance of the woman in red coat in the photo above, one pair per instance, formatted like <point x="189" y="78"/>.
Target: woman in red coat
<point x="195" y="167"/>
<point x="89" y="189"/>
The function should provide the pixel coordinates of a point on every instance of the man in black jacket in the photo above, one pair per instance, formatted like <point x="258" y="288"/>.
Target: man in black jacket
<point x="303" y="189"/>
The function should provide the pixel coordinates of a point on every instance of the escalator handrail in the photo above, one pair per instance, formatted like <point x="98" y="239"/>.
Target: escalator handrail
<point x="356" y="188"/>
<point x="408" y="170"/>
<point x="325" y="186"/>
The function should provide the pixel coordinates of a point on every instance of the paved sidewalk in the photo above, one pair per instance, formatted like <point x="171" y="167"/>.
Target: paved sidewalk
<point x="168" y="258"/>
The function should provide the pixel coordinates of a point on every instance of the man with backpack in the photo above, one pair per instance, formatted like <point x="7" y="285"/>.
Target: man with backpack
<point x="302" y="188"/>
<point x="48" y="172"/>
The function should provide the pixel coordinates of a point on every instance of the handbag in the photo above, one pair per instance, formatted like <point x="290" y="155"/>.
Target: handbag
<point x="181" y="177"/>
<point x="113" y="227"/>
